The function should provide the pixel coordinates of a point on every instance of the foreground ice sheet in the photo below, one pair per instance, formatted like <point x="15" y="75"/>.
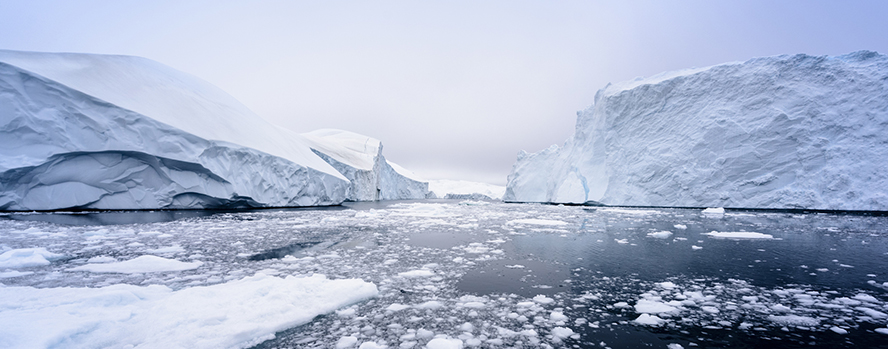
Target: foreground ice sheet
<point x="234" y="314"/>
<point x="792" y="131"/>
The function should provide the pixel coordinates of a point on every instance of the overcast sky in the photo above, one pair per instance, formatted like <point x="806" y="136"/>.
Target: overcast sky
<point x="454" y="89"/>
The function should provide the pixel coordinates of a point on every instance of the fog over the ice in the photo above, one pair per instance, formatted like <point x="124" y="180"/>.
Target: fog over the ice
<point x="454" y="89"/>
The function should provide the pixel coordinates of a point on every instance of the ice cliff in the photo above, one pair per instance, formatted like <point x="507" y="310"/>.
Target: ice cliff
<point x="81" y="131"/>
<point x="359" y="158"/>
<point x="791" y="131"/>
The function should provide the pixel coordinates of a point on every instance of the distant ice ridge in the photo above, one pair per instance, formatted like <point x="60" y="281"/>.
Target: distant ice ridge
<point x="458" y="188"/>
<point x="120" y="132"/>
<point x="359" y="158"/>
<point x="791" y="131"/>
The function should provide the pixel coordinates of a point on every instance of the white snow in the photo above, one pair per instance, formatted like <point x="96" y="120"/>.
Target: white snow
<point x="239" y="313"/>
<point x="731" y="135"/>
<point x="27" y="257"/>
<point x="738" y="235"/>
<point x="141" y="264"/>
<point x="121" y="132"/>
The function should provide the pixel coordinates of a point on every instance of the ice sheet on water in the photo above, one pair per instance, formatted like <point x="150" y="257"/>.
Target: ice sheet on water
<point x="234" y="314"/>
<point x="141" y="264"/>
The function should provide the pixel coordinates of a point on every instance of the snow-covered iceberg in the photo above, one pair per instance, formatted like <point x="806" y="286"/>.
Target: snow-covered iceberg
<point x="118" y="132"/>
<point x="461" y="189"/>
<point x="791" y="131"/>
<point x="359" y="158"/>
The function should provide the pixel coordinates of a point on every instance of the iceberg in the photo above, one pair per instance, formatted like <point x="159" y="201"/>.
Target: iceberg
<point x="789" y="131"/>
<point x="359" y="158"/>
<point x="84" y="131"/>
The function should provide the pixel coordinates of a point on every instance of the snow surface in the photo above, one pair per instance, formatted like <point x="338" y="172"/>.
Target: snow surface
<point x="359" y="158"/>
<point x="239" y="313"/>
<point x="791" y="131"/>
<point x="27" y="257"/>
<point x="120" y="132"/>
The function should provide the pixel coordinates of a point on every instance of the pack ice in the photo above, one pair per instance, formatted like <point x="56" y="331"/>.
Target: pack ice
<point x="120" y="132"/>
<point x="790" y="131"/>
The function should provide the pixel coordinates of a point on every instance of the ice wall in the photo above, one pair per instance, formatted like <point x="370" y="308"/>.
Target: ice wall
<point x="791" y="131"/>
<point x="116" y="132"/>
<point x="359" y="158"/>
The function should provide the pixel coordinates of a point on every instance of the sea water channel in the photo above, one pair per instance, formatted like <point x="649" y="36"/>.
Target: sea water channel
<point x="495" y="275"/>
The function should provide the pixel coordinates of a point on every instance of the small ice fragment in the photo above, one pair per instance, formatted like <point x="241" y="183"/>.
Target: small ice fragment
<point x="417" y="273"/>
<point x="674" y="346"/>
<point x="665" y="234"/>
<point x="622" y="241"/>
<point x="444" y="343"/>
<point x="738" y="235"/>
<point x="372" y="345"/>
<point x="680" y="226"/>
<point x="562" y="332"/>
<point x="396" y="307"/>
<point x="695" y="247"/>
<point x="543" y="299"/>
<point x="346" y="342"/>
<point x="838" y="330"/>
<point x="556" y="316"/>
<point x="714" y="211"/>
<point x="650" y="320"/>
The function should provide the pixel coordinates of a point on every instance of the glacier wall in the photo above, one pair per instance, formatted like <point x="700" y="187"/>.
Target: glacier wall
<point x="62" y="148"/>
<point x="359" y="158"/>
<point x="791" y="131"/>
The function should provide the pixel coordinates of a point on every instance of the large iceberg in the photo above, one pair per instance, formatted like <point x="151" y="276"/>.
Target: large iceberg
<point x="791" y="131"/>
<point x="82" y="131"/>
<point x="359" y="158"/>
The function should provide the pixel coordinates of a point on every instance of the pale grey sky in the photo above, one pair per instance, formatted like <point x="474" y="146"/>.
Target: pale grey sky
<point x="454" y="89"/>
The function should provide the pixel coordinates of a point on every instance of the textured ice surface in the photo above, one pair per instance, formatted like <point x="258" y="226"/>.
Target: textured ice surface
<point x="497" y="283"/>
<point x="118" y="132"/>
<point x="359" y="158"/>
<point x="791" y="131"/>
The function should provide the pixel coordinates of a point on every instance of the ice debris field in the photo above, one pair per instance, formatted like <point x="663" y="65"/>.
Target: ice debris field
<point x="444" y="274"/>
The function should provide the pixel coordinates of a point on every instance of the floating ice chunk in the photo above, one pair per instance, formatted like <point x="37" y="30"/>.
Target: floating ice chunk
<point x="444" y="343"/>
<point x="666" y="284"/>
<point x="516" y="266"/>
<point x="665" y="234"/>
<point x="417" y="273"/>
<point x="562" y="332"/>
<point x="649" y="320"/>
<point x="534" y="221"/>
<point x="372" y="345"/>
<point x="622" y="241"/>
<point x="709" y="309"/>
<point x="866" y="298"/>
<point x="239" y="313"/>
<point x="882" y="330"/>
<point x="395" y="307"/>
<point x="653" y="307"/>
<point x="680" y="226"/>
<point x="695" y="247"/>
<point x="838" y="330"/>
<point x="543" y="299"/>
<point x="424" y="333"/>
<point x="794" y="320"/>
<point x="431" y="305"/>
<point x="556" y="316"/>
<point x="348" y="312"/>
<point x="714" y="211"/>
<point x="738" y="235"/>
<point x="346" y="342"/>
<point x="27" y="257"/>
<point x="142" y="264"/>
<point x="674" y="346"/>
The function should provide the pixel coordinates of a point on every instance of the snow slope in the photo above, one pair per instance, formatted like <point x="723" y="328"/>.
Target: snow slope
<point x="359" y="158"/>
<point x="119" y="132"/>
<point x="791" y="131"/>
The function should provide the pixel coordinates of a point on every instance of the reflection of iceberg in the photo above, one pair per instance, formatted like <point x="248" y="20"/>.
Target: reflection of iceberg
<point x="359" y="158"/>
<point x="776" y="132"/>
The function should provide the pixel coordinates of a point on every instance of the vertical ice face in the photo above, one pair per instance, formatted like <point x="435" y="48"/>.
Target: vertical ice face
<point x="792" y="131"/>
<point x="359" y="158"/>
<point x="115" y="132"/>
